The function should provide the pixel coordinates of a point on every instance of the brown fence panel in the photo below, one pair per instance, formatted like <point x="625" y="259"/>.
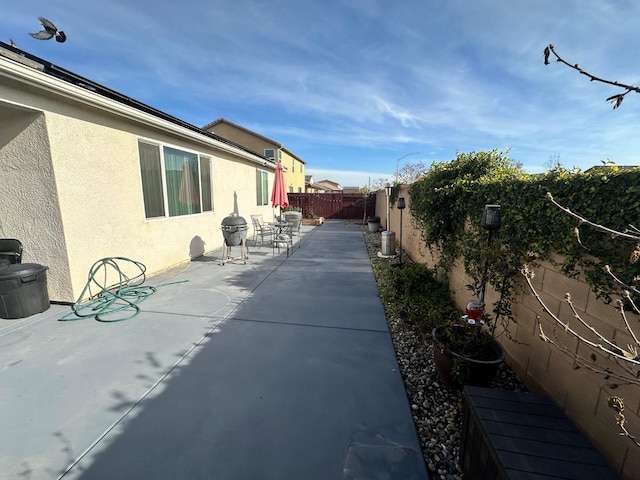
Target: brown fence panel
<point x="334" y="205"/>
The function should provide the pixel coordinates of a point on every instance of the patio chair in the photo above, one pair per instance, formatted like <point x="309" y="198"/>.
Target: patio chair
<point x="282" y="240"/>
<point x="260" y="229"/>
<point x="293" y="228"/>
<point x="10" y="251"/>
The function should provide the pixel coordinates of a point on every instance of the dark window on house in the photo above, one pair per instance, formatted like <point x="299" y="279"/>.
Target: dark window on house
<point x="205" y="179"/>
<point x="270" y="153"/>
<point x="262" y="187"/>
<point x="175" y="181"/>
<point x="151" y="173"/>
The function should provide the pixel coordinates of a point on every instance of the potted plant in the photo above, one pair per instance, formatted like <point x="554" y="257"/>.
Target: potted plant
<point x="464" y="346"/>
<point x="450" y="205"/>
<point x="290" y="213"/>
<point x="310" y="218"/>
<point x="465" y="350"/>
<point x="292" y="208"/>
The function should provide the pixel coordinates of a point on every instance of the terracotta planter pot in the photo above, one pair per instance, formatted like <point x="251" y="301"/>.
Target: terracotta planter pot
<point x="479" y="373"/>
<point x="316" y="222"/>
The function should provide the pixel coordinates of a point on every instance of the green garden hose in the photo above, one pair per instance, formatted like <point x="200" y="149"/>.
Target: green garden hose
<point x="117" y="301"/>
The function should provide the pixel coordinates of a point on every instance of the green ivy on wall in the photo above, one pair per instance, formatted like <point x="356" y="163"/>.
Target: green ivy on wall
<point x="448" y="201"/>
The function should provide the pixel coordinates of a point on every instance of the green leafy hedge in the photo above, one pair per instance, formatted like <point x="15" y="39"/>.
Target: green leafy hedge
<point x="448" y="201"/>
<point x="410" y="291"/>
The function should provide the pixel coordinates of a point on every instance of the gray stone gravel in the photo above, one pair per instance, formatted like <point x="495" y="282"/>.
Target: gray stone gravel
<point x="437" y="410"/>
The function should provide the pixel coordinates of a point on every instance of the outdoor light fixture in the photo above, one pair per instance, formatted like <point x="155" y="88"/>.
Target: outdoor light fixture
<point x="401" y="206"/>
<point x="491" y="217"/>
<point x="387" y="189"/>
<point x="491" y="221"/>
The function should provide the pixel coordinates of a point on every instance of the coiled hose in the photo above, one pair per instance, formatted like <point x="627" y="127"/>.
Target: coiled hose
<point x="117" y="301"/>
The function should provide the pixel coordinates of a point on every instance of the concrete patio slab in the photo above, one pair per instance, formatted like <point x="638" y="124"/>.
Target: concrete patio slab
<point x="278" y="369"/>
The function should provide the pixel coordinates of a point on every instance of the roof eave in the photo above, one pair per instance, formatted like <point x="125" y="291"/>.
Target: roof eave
<point x="36" y="78"/>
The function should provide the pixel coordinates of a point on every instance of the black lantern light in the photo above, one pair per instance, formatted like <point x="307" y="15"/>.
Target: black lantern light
<point x="491" y="217"/>
<point x="491" y="221"/>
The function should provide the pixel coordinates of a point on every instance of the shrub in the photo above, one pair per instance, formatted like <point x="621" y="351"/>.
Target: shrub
<point x="411" y="292"/>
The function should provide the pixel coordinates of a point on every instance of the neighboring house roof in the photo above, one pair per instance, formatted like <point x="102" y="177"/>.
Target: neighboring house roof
<point x="39" y="64"/>
<point x="332" y="185"/>
<point x="309" y="183"/>
<point x="211" y="127"/>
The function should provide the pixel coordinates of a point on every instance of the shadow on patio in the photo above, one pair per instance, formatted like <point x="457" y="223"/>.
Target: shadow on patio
<point x="281" y="368"/>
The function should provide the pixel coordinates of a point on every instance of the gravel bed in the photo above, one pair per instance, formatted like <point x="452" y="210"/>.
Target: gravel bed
<point x="437" y="410"/>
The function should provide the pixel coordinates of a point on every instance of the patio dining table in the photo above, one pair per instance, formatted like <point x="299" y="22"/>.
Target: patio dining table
<point x="278" y="226"/>
<point x="281" y="238"/>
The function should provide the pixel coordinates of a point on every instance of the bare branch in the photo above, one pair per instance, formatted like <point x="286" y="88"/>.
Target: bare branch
<point x="626" y="294"/>
<point x="627" y="377"/>
<point x="631" y="288"/>
<point x="615" y="99"/>
<point x="614" y="350"/>
<point x="547" y="51"/>
<point x="617" y="404"/>
<point x="625" y="360"/>
<point x="601" y="228"/>
<point x="625" y="354"/>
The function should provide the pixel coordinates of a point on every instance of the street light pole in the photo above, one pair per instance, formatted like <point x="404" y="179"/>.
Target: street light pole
<point x="398" y="163"/>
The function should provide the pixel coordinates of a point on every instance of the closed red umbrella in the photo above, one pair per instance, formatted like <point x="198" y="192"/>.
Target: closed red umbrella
<point x="279" y="194"/>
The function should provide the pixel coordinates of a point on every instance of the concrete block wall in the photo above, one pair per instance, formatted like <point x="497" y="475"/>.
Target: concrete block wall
<point x="580" y="392"/>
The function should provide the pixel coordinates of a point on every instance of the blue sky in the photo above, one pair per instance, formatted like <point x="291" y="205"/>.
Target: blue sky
<point x="351" y="86"/>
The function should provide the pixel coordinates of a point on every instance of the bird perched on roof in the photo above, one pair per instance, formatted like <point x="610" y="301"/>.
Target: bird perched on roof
<point x="12" y="43"/>
<point x="50" y="31"/>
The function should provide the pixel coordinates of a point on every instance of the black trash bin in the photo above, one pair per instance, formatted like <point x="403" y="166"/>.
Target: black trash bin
<point x="23" y="290"/>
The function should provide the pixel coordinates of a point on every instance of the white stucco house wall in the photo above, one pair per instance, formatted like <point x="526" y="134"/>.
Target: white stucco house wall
<point x="87" y="173"/>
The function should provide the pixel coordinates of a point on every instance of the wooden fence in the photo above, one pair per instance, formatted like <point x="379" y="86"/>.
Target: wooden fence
<point x="334" y="205"/>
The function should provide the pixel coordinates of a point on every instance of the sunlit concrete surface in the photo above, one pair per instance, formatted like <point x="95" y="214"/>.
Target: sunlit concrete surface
<point x="279" y="368"/>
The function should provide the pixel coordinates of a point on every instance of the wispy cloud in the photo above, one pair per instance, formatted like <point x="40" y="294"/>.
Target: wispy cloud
<point x="350" y="85"/>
